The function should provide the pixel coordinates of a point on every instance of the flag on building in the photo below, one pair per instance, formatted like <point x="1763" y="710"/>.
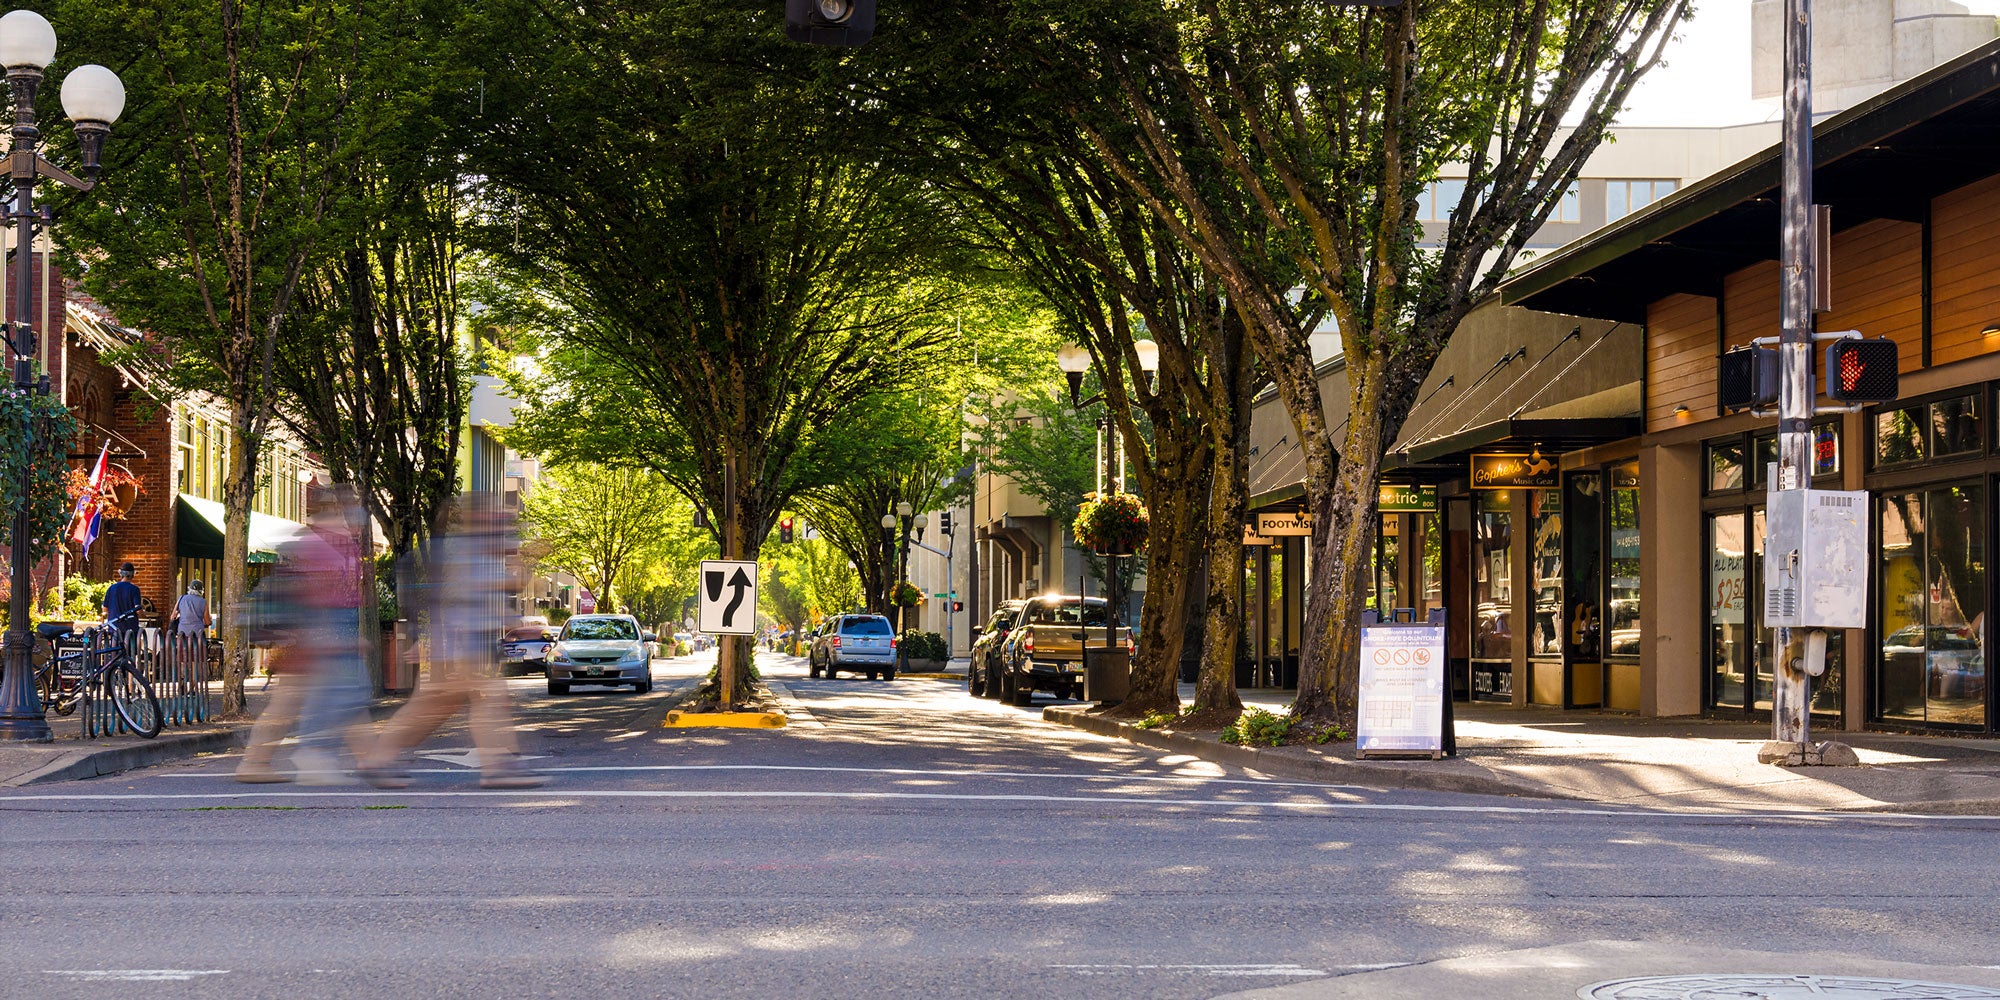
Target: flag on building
<point x="89" y="514"/>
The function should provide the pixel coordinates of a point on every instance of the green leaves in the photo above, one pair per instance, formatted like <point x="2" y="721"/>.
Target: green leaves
<point x="35" y="436"/>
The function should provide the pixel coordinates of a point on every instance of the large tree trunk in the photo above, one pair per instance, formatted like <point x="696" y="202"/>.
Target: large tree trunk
<point x="1176" y="493"/>
<point x="237" y="490"/>
<point x="1228" y="509"/>
<point x="1343" y="554"/>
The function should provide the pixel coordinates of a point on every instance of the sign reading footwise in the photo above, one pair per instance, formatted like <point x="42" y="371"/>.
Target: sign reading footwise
<point x="1284" y="522"/>
<point x="728" y="597"/>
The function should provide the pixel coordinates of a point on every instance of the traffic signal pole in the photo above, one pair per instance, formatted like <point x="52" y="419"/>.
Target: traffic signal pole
<point x="1791" y="694"/>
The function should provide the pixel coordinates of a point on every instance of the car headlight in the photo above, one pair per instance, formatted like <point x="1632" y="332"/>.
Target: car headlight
<point x="636" y="654"/>
<point x="558" y="652"/>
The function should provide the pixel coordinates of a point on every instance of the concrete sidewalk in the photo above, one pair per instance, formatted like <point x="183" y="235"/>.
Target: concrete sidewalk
<point x="70" y="757"/>
<point x="1678" y="763"/>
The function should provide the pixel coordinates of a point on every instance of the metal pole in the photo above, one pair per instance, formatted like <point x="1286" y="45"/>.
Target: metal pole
<point x="1790" y="695"/>
<point x="21" y="716"/>
<point x="731" y="538"/>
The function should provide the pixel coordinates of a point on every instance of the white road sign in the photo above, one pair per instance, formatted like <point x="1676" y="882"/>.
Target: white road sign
<point x="728" y="597"/>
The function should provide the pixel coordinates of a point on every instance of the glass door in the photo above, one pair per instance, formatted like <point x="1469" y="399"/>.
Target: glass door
<point x="1729" y="638"/>
<point x="1931" y="596"/>
<point x="1492" y="598"/>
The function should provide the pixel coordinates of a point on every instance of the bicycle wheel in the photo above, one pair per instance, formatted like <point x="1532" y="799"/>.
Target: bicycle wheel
<point x="132" y="697"/>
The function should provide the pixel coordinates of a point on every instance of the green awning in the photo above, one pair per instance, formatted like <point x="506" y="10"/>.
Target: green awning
<point x="198" y="531"/>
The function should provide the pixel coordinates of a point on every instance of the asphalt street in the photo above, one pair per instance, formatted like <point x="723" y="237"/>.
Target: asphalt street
<point x="900" y="839"/>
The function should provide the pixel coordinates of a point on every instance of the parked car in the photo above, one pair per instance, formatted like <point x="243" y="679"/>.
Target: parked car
<point x="601" y="649"/>
<point x="861" y="644"/>
<point x="525" y="648"/>
<point x="1044" y="649"/>
<point x="982" y="676"/>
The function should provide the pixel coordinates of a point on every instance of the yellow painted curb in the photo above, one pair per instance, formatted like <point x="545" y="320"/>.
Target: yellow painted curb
<point x="724" y="720"/>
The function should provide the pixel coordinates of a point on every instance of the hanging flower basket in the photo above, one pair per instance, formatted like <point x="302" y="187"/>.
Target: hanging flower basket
<point x="906" y="595"/>
<point x="1111" y="524"/>
<point x="120" y="489"/>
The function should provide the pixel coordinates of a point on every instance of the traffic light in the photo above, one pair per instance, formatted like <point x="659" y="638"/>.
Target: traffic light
<point x="1746" y="378"/>
<point x="1861" y="371"/>
<point x="957" y="606"/>
<point x="944" y="522"/>
<point x="829" y="22"/>
<point x="785" y="529"/>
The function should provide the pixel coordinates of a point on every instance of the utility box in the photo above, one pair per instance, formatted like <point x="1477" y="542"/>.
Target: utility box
<point x="1816" y="559"/>
<point x="1107" y="674"/>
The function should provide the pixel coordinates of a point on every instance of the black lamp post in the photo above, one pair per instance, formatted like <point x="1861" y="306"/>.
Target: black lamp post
<point x="93" y="97"/>
<point x="1074" y="361"/>
<point x="904" y="517"/>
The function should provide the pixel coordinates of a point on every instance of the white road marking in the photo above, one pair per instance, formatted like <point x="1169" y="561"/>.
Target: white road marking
<point x="466" y="756"/>
<point x="1288" y="969"/>
<point x="135" y="975"/>
<point x="612" y="768"/>
<point x="1320" y="805"/>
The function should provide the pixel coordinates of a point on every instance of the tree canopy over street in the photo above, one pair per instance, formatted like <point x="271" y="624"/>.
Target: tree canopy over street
<point x="764" y="277"/>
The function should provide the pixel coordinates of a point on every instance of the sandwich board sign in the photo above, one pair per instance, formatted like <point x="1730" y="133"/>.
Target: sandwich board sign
<point x="728" y="594"/>
<point x="1404" y="704"/>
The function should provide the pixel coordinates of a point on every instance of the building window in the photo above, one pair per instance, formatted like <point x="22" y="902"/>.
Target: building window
<point x="1725" y="465"/>
<point x="1545" y="507"/>
<point x="1570" y="208"/>
<point x="1622" y="198"/>
<point x="1941" y="428"/>
<point x="1438" y="198"/>
<point x="1623" y="623"/>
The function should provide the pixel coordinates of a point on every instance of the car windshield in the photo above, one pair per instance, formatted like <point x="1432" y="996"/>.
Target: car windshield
<point x="1066" y="613"/>
<point x="866" y="626"/>
<point x="601" y="628"/>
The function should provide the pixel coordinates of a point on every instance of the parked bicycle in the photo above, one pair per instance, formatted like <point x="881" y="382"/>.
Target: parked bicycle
<point x="103" y="668"/>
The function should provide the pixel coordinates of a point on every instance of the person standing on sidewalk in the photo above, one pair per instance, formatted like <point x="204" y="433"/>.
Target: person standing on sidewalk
<point x="191" y="614"/>
<point x="121" y="602"/>
<point x="469" y="574"/>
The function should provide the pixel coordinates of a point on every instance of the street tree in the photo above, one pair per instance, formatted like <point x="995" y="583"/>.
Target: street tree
<point x="244" y="124"/>
<point x="594" y="519"/>
<point x="1284" y="143"/>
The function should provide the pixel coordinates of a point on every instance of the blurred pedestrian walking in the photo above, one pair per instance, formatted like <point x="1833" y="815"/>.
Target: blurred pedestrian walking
<point x="307" y="613"/>
<point x="469" y="572"/>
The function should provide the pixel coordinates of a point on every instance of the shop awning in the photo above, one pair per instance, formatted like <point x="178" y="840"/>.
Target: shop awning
<point x="198" y="531"/>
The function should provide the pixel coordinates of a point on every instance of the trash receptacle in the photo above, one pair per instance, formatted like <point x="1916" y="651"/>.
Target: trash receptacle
<point x="1107" y="674"/>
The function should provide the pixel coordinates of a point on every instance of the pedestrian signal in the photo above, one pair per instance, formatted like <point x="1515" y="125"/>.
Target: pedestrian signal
<point x="785" y="529"/>
<point x="1746" y="378"/>
<point x="829" y="22"/>
<point x="1862" y="371"/>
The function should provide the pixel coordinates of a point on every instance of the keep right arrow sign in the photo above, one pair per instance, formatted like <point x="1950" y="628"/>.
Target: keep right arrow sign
<point x="728" y="597"/>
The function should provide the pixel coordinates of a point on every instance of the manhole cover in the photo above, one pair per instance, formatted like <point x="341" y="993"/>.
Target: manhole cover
<point x="1776" y="987"/>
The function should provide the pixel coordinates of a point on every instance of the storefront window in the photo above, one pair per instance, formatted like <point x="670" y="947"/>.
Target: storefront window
<point x="1389" y="564"/>
<point x="1931" y="586"/>
<point x="1546" y="509"/>
<point x="1728" y="607"/>
<point x="1764" y="451"/>
<point x="1492" y="586"/>
<point x="1725" y="466"/>
<point x="1942" y="428"/>
<point x="1584" y="566"/>
<point x="1623" y="621"/>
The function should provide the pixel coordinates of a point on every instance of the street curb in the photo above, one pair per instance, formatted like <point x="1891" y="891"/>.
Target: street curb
<point x="112" y="760"/>
<point x="1423" y="775"/>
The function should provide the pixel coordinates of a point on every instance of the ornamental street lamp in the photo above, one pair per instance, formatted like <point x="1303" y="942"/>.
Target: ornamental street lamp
<point x="1074" y="361"/>
<point x="93" y="97"/>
